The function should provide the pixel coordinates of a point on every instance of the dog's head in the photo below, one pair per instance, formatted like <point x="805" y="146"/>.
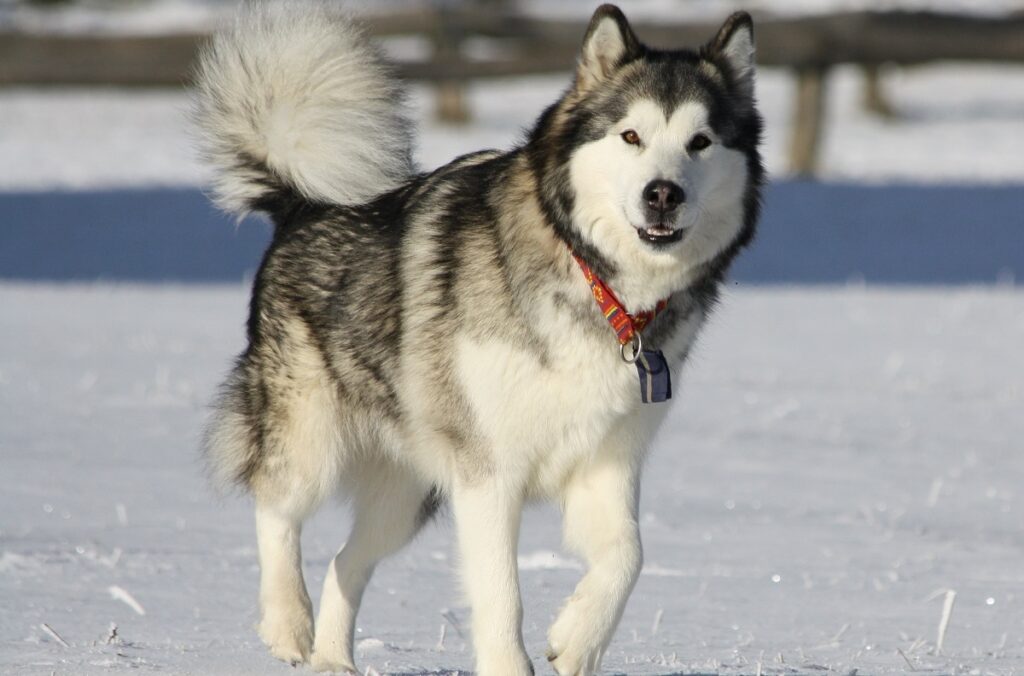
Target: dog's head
<point x="648" y="166"/>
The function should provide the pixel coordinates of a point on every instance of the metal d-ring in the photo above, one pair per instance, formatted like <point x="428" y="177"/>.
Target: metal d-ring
<point x="637" y="344"/>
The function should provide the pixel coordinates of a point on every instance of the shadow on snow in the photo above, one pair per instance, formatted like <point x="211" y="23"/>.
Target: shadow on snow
<point x="811" y="233"/>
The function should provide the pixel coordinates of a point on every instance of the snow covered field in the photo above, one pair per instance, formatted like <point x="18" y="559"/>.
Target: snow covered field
<point x="837" y="460"/>
<point x="840" y="460"/>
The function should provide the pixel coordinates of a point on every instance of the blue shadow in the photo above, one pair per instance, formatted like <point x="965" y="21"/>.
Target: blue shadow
<point x="125" y="235"/>
<point x="811" y="233"/>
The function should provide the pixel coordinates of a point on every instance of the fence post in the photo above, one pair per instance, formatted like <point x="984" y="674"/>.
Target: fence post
<point x="807" y="120"/>
<point x="875" y="100"/>
<point x="451" y="99"/>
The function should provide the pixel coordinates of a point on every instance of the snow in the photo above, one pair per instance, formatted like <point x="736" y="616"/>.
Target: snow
<point x="839" y="459"/>
<point x="958" y="124"/>
<point x="836" y="460"/>
<point x="161" y="16"/>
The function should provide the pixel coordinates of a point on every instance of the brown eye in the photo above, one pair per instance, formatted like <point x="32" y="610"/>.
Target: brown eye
<point x="631" y="137"/>
<point x="698" y="142"/>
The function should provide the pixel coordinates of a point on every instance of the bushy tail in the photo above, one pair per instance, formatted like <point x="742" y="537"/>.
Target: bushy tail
<point x="292" y="100"/>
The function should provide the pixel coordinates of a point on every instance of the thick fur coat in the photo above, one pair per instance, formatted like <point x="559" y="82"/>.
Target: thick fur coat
<point x="426" y="338"/>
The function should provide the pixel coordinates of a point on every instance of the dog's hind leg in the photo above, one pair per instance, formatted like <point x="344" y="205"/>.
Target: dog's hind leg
<point x="390" y="505"/>
<point x="286" y="615"/>
<point x="600" y="504"/>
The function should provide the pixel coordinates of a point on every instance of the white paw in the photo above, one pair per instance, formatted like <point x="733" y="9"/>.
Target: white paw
<point x="288" y="632"/>
<point x="324" y="661"/>
<point x="575" y="646"/>
<point x="513" y="663"/>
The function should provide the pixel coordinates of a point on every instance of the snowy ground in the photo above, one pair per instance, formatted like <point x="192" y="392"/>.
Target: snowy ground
<point x="837" y="460"/>
<point x="840" y="457"/>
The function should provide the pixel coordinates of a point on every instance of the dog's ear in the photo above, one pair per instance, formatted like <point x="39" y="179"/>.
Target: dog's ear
<point x="608" y="44"/>
<point x="734" y="47"/>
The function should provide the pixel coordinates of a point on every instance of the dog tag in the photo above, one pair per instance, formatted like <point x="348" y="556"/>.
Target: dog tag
<point x="655" y="379"/>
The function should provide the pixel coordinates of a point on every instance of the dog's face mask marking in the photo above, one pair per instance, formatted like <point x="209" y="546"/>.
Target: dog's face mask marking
<point x="656" y="177"/>
<point x="656" y="171"/>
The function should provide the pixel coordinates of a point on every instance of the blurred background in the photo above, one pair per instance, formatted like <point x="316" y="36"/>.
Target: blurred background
<point x="895" y="130"/>
<point x="838" y="486"/>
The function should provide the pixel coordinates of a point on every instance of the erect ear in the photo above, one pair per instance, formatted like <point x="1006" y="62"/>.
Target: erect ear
<point x="734" y="45"/>
<point x="608" y="44"/>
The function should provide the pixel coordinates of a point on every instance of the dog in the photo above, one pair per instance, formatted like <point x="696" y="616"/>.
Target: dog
<point x="502" y="329"/>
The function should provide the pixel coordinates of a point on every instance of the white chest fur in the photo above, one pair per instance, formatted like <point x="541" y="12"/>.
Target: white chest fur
<point x="543" y="412"/>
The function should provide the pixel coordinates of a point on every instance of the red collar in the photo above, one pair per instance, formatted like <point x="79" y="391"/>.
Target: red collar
<point x="626" y="326"/>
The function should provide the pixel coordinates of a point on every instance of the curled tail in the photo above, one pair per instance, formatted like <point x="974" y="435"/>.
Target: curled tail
<point x="292" y="101"/>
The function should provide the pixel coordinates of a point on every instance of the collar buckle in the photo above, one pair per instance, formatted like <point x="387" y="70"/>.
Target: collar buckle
<point x="637" y="346"/>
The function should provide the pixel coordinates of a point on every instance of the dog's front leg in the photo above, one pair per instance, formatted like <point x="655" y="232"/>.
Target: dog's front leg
<point x="487" y="515"/>
<point x="600" y="503"/>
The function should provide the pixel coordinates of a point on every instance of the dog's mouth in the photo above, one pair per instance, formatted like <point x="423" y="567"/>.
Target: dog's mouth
<point x="660" y="234"/>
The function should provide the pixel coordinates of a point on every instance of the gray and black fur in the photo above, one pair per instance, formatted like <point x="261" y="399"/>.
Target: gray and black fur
<point x="378" y="278"/>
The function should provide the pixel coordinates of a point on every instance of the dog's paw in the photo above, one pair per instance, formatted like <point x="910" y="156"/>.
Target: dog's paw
<point x="502" y="659"/>
<point x="570" y="663"/>
<point x="575" y="646"/>
<point x="325" y="662"/>
<point x="288" y="633"/>
<point x="514" y="664"/>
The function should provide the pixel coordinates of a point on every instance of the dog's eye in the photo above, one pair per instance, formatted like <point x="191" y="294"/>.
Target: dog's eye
<point x="631" y="137"/>
<point x="698" y="142"/>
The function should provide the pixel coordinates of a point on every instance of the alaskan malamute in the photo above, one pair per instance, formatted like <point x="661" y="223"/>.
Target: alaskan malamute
<point x="498" y="330"/>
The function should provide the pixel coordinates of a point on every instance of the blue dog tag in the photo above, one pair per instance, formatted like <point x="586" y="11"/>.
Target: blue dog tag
<point x="655" y="379"/>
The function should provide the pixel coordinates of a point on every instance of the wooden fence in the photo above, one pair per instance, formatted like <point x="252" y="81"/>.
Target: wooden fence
<point x="809" y="46"/>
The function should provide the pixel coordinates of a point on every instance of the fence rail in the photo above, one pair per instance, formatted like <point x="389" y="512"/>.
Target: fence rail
<point x="810" y="46"/>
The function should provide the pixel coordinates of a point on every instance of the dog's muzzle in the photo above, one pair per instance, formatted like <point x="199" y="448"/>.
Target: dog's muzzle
<point x="661" y="203"/>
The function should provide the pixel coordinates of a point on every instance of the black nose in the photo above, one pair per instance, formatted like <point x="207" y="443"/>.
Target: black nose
<point x="663" y="196"/>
